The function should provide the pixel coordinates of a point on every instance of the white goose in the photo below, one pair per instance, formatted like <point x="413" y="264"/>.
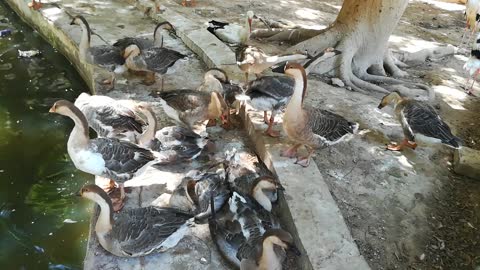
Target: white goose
<point x="232" y="33"/>
<point x="105" y="157"/>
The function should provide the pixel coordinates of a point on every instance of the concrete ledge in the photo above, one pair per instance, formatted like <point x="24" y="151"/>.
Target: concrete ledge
<point x="467" y="162"/>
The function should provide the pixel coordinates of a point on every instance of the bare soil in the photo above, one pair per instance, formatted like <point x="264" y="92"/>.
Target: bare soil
<point x="405" y="210"/>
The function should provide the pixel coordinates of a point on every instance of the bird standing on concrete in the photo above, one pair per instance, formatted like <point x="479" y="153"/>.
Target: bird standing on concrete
<point x="472" y="66"/>
<point x="418" y="118"/>
<point x="232" y="33"/>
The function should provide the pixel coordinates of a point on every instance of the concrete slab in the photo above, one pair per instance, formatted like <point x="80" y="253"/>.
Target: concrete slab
<point x="467" y="162"/>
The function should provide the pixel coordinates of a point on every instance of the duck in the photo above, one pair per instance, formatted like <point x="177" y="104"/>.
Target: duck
<point x="472" y="66"/>
<point x="109" y="158"/>
<point x="216" y="79"/>
<point x="251" y="59"/>
<point x="313" y="127"/>
<point x="136" y="232"/>
<point x="269" y="93"/>
<point x="232" y="33"/>
<point x="418" y="118"/>
<point x="178" y="142"/>
<point x="111" y="118"/>
<point x="152" y="60"/>
<point x="145" y="43"/>
<point x="247" y="175"/>
<point x="105" y="56"/>
<point x="192" y="108"/>
<point x="247" y="239"/>
<point x="35" y="5"/>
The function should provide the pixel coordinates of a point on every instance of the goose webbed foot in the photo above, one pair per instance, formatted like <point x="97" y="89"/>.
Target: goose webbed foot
<point x="290" y="152"/>
<point x="303" y="161"/>
<point x="402" y="145"/>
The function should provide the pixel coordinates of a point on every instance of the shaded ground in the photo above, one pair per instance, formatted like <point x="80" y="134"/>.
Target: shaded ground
<point x="405" y="210"/>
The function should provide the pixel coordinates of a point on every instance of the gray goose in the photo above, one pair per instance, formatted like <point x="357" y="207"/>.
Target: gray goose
<point x="145" y="43"/>
<point x="111" y="118"/>
<point x="110" y="158"/>
<point x="153" y="60"/>
<point x="136" y="232"/>
<point x="250" y="237"/>
<point x="192" y="108"/>
<point x="417" y="117"/>
<point x="232" y="33"/>
<point x="251" y="59"/>
<point x="105" y="56"/>
<point x="198" y="187"/>
<point x="313" y="127"/>
<point x="247" y="175"/>
<point x="178" y="143"/>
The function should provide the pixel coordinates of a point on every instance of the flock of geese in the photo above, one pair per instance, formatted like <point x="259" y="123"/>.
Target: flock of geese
<point x="233" y="196"/>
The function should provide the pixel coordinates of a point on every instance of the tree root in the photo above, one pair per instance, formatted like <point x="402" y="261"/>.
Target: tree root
<point x="291" y="36"/>
<point x="425" y="54"/>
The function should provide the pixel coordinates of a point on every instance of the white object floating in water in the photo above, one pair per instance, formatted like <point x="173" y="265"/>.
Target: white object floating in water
<point x="30" y="53"/>
<point x="69" y="221"/>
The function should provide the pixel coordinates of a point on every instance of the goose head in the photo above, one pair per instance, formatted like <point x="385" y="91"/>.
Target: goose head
<point x="216" y="73"/>
<point x="99" y="196"/>
<point x="131" y="51"/>
<point x="157" y="36"/>
<point x="296" y="71"/>
<point x="271" y="238"/>
<point x="393" y="97"/>
<point x="217" y="107"/>
<point x="80" y="20"/>
<point x="264" y="190"/>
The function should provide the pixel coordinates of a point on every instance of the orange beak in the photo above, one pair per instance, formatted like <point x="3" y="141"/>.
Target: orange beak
<point x="52" y="109"/>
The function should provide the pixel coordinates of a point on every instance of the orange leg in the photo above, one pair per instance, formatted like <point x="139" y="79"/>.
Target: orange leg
<point x="290" y="152"/>
<point x="270" y="132"/>
<point x="305" y="161"/>
<point x="265" y="117"/>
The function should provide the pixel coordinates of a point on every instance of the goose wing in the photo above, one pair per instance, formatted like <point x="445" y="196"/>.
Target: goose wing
<point x="141" y="231"/>
<point x="175" y="135"/>
<point x="278" y="88"/>
<point x="106" y="55"/>
<point x="185" y="100"/>
<point x="122" y="158"/>
<point x="142" y="43"/>
<point x="160" y="59"/>
<point x="329" y="126"/>
<point x="119" y="118"/>
<point x="422" y="118"/>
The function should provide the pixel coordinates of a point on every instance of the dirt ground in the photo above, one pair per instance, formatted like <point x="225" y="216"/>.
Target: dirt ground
<point x="405" y="210"/>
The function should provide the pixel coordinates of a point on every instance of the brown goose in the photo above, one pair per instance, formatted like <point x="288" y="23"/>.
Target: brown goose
<point x="193" y="108"/>
<point x="313" y="127"/>
<point x="105" y="56"/>
<point x="136" y="232"/>
<point x="251" y="59"/>
<point x="417" y="117"/>
<point x="145" y="43"/>
<point x="105" y="157"/>
<point x="252" y="238"/>
<point x="178" y="143"/>
<point x="153" y="60"/>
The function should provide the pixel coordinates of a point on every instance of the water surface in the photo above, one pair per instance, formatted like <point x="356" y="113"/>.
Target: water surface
<point x="42" y="225"/>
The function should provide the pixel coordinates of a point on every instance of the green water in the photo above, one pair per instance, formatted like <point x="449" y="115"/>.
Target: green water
<point x="37" y="179"/>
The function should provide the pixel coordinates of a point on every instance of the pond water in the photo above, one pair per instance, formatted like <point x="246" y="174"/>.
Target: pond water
<point x="42" y="225"/>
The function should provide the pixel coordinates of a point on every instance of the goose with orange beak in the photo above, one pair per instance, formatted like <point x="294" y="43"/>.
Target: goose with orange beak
<point x="312" y="127"/>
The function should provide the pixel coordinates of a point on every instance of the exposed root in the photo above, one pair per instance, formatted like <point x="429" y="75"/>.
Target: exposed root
<point x="377" y="69"/>
<point x="392" y="67"/>
<point x="368" y="86"/>
<point x="425" y="54"/>
<point x="291" y="36"/>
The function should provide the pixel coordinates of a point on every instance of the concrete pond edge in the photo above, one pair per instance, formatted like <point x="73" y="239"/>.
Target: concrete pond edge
<point x="312" y="214"/>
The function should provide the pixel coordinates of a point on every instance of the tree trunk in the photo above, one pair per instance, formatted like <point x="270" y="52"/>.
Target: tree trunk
<point x="361" y="33"/>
